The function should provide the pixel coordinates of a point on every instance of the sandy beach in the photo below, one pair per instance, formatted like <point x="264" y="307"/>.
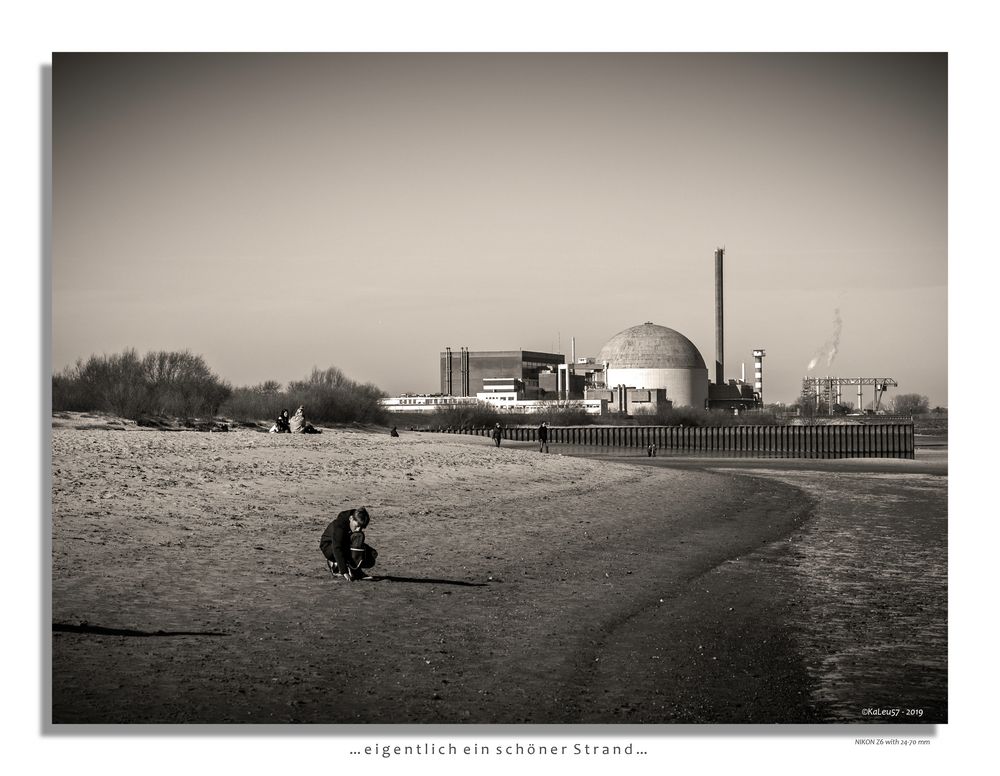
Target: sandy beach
<point x="188" y="587"/>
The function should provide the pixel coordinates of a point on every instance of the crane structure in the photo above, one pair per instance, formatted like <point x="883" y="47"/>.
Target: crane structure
<point x="828" y="389"/>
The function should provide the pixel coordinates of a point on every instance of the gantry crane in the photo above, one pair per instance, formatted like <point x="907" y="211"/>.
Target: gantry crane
<point x="818" y="389"/>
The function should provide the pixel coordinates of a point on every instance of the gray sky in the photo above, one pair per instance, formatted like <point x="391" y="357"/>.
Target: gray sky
<point x="278" y="212"/>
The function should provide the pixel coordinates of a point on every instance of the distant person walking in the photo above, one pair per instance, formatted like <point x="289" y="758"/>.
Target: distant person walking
<point x="497" y="434"/>
<point x="343" y="545"/>
<point x="543" y="437"/>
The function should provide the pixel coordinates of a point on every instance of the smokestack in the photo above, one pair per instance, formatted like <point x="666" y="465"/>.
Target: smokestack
<point x="719" y="358"/>
<point x="447" y="372"/>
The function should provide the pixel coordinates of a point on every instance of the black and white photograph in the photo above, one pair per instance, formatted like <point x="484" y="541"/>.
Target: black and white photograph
<point x="524" y="407"/>
<point x="631" y="368"/>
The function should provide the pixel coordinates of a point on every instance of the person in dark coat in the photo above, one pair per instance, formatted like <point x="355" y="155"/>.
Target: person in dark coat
<point x="282" y="423"/>
<point x="543" y="438"/>
<point x="497" y="434"/>
<point x="394" y="433"/>
<point x="343" y="545"/>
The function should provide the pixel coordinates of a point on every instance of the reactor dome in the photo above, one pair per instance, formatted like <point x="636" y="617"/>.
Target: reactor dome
<point x="649" y="346"/>
<point x="655" y="357"/>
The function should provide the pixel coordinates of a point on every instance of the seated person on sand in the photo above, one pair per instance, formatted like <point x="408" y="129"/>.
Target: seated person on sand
<point x="343" y="545"/>
<point x="282" y="424"/>
<point x="299" y="424"/>
<point x="394" y="433"/>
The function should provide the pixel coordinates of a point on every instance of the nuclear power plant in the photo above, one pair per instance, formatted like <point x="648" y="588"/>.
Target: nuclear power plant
<point x="639" y="370"/>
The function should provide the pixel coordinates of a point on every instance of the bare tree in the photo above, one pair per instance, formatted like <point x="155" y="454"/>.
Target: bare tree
<point x="910" y="404"/>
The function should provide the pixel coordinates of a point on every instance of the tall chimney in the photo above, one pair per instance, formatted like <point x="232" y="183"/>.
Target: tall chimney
<point x="465" y="371"/>
<point x="447" y="372"/>
<point x="720" y="378"/>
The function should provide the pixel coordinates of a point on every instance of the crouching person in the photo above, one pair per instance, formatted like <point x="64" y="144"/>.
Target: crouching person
<point x="343" y="545"/>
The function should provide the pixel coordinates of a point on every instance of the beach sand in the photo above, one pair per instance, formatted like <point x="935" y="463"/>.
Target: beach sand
<point x="188" y="587"/>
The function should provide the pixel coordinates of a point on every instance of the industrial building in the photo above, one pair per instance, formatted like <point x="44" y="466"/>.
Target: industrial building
<point x="642" y="369"/>
<point x="526" y="373"/>
<point x="424" y="403"/>
<point x="647" y="367"/>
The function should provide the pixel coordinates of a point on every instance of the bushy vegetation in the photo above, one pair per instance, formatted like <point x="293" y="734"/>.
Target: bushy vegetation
<point x="330" y="397"/>
<point x="483" y="415"/>
<point x="564" y="416"/>
<point x="257" y="402"/>
<point x="180" y="384"/>
<point x="690" y="416"/>
<point x="465" y="416"/>
<point x="326" y="396"/>
<point x="934" y="422"/>
<point x="123" y="384"/>
<point x="910" y="404"/>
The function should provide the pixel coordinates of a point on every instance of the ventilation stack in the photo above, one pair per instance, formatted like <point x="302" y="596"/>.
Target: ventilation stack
<point x="720" y="378"/>
<point x="758" y="374"/>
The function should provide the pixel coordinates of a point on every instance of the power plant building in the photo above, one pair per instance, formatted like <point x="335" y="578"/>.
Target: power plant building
<point x="639" y="370"/>
<point x="652" y="365"/>
<point x="528" y="374"/>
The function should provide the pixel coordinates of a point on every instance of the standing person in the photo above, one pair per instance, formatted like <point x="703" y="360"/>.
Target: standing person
<point x="543" y="437"/>
<point x="497" y="434"/>
<point x="343" y="545"/>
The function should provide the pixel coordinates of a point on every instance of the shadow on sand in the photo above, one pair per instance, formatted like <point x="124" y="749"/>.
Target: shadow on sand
<point x="97" y="630"/>
<point x="426" y="581"/>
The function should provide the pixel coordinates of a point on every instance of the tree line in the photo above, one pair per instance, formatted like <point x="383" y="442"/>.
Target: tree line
<point x="180" y="384"/>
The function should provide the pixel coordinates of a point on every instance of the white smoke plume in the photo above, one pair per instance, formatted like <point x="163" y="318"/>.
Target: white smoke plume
<point x="829" y="348"/>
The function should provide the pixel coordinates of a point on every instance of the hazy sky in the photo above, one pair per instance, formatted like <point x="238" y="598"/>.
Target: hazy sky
<point x="279" y="212"/>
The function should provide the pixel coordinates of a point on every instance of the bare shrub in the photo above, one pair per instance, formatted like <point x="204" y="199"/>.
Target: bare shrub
<point x="128" y="386"/>
<point x="329" y="396"/>
<point x="476" y="415"/>
<point x="256" y="403"/>
<point x="115" y="384"/>
<point x="911" y="404"/>
<point x="563" y="415"/>
<point x="691" y="416"/>
<point x="182" y="385"/>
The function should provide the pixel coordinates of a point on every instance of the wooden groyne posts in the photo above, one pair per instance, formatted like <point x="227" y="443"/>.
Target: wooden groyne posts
<point x="884" y="440"/>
